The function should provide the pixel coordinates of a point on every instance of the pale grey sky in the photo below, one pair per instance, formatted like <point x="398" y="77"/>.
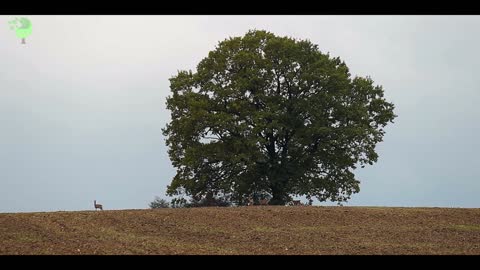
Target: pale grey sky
<point x="82" y="104"/>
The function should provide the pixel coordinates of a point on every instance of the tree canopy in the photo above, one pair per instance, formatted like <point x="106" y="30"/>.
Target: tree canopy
<point x="272" y="115"/>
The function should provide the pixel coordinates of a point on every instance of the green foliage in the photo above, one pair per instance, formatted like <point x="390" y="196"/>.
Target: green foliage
<point x="159" y="203"/>
<point x="269" y="114"/>
<point x="179" y="203"/>
<point x="219" y="200"/>
<point x="22" y="27"/>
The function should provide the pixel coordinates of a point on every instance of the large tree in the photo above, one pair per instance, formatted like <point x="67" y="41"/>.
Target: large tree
<point x="272" y="115"/>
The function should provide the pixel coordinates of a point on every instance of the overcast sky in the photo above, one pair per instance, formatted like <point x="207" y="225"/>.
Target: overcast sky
<point x="82" y="104"/>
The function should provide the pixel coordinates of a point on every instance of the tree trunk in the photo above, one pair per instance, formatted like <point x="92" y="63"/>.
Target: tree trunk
<point x="278" y="196"/>
<point x="277" y="201"/>
<point x="23" y="41"/>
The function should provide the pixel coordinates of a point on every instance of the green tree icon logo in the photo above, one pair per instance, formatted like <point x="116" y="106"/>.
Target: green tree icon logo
<point x="22" y="27"/>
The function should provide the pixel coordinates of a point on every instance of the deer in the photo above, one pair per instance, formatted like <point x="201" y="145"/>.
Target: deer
<point x="264" y="201"/>
<point x="295" y="202"/>
<point x="97" y="206"/>
<point x="261" y="202"/>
